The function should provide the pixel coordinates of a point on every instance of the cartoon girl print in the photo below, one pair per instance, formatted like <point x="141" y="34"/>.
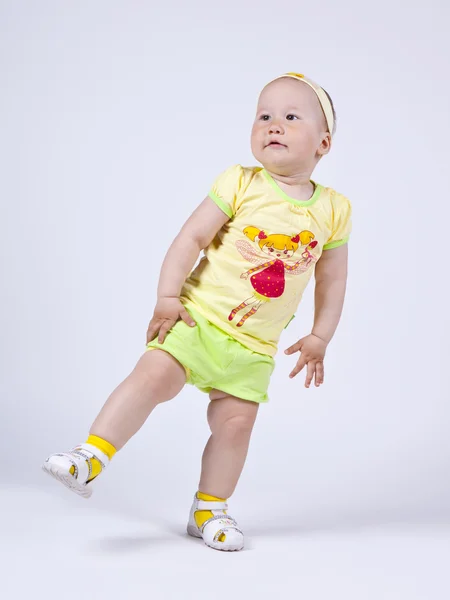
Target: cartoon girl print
<point x="269" y="282"/>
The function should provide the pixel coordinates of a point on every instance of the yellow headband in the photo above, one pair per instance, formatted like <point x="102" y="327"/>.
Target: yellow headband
<point x="323" y="98"/>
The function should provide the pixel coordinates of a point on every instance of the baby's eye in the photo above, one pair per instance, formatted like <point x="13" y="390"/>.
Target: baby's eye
<point x="264" y="117"/>
<point x="270" y="249"/>
<point x="291" y="117"/>
<point x="285" y="252"/>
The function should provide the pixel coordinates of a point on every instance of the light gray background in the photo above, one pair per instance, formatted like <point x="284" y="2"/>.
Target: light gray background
<point x="115" y="119"/>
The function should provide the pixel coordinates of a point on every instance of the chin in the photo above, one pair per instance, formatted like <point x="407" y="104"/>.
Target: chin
<point x="274" y="163"/>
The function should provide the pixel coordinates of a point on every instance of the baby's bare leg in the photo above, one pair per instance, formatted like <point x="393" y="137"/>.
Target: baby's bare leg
<point x="157" y="377"/>
<point x="231" y="421"/>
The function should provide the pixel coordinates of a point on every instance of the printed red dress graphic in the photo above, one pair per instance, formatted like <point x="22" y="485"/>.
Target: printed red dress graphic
<point x="268" y="277"/>
<point x="270" y="282"/>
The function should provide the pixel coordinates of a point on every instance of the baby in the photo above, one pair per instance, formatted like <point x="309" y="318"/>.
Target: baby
<point x="264" y="231"/>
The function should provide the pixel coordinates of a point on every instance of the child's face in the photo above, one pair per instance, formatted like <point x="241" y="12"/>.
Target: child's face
<point x="275" y="253"/>
<point x="290" y="132"/>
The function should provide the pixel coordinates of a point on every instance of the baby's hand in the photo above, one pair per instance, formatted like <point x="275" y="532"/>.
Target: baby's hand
<point x="167" y="312"/>
<point x="312" y="350"/>
<point x="244" y="275"/>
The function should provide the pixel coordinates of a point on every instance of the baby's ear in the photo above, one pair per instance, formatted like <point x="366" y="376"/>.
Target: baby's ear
<point x="325" y="145"/>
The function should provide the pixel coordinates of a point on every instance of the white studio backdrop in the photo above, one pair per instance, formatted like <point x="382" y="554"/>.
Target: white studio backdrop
<point x="116" y="117"/>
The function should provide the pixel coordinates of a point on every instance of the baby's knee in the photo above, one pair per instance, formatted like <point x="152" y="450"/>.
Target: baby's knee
<point x="235" y="426"/>
<point x="158" y="376"/>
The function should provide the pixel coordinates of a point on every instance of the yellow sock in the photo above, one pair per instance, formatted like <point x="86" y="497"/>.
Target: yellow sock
<point x="203" y="515"/>
<point x="104" y="447"/>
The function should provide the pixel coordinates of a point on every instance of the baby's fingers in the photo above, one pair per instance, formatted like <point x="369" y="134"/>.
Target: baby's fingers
<point x="165" y="328"/>
<point x="319" y="374"/>
<point x="187" y="318"/>
<point x="153" y="329"/>
<point x="294" y="348"/>
<point x="298" y="367"/>
<point x="310" y="373"/>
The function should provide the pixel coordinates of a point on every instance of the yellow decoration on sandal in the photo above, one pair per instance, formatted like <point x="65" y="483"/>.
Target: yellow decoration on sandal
<point x="203" y="515"/>
<point x="96" y="469"/>
<point x="103" y="446"/>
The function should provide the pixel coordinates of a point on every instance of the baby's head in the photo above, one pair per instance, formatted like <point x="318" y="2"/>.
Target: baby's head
<point x="291" y="131"/>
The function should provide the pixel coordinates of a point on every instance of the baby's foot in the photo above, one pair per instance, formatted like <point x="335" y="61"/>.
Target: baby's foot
<point x="77" y="468"/>
<point x="219" y="531"/>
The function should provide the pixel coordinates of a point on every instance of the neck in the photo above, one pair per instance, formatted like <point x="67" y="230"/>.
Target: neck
<point x="297" y="185"/>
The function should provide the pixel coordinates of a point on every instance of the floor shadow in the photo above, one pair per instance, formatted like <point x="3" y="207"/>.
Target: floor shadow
<point x="304" y="524"/>
<point x="341" y="523"/>
<point x="123" y="544"/>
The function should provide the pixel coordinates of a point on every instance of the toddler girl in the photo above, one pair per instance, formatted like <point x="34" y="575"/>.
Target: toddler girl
<point x="264" y="231"/>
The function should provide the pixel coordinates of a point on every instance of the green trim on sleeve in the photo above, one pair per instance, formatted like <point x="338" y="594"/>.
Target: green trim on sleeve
<point x="221" y="204"/>
<point x="336" y="244"/>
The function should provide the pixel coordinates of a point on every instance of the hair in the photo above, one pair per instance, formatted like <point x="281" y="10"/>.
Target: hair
<point x="332" y="108"/>
<point x="279" y="241"/>
<point x="334" y="112"/>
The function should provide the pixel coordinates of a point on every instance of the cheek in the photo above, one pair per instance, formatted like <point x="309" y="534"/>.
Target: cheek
<point x="254" y="135"/>
<point x="256" y="142"/>
<point x="302" y="137"/>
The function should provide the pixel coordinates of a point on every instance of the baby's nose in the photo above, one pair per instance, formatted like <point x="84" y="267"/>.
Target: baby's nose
<point x="275" y="128"/>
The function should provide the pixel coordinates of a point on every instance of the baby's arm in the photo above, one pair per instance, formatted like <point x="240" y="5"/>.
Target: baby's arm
<point x="195" y="235"/>
<point x="331" y="280"/>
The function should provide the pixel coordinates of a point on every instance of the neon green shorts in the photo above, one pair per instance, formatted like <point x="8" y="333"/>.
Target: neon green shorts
<point x="214" y="360"/>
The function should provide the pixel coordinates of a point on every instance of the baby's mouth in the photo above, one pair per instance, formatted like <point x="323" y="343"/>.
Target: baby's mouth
<point x="276" y="145"/>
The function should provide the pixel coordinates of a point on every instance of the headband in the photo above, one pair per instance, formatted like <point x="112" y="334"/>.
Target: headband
<point x="323" y="98"/>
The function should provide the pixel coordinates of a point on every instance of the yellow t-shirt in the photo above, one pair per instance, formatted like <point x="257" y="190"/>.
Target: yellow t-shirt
<point x="253" y="274"/>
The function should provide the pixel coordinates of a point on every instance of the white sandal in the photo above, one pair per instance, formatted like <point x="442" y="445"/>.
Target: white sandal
<point x="59" y="466"/>
<point x="213" y="528"/>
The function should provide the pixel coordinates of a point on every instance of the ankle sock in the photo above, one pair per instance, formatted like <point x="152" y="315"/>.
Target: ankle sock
<point x="203" y="515"/>
<point x="103" y="446"/>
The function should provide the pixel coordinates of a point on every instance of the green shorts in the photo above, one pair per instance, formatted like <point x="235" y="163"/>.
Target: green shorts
<point x="214" y="360"/>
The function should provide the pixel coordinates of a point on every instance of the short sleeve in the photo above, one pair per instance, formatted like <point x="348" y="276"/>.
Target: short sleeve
<point x="341" y="222"/>
<point x="227" y="189"/>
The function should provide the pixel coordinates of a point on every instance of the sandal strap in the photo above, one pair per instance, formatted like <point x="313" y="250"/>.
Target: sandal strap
<point x="88" y="451"/>
<point x="225" y="531"/>
<point x="223" y="518"/>
<point x="205" y="505"/>
<point x="70" y="458"/>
